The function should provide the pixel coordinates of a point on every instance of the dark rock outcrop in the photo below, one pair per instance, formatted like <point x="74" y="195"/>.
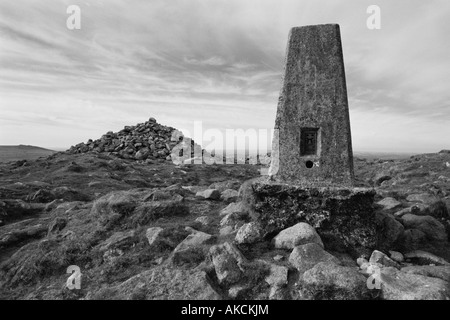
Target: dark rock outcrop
<point x="343" y="217"/>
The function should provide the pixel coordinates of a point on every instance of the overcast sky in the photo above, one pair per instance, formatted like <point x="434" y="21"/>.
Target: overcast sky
<point x="219" y="62"/>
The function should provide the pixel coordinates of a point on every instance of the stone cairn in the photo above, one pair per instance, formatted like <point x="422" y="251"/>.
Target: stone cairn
<point x="144" y="141"/>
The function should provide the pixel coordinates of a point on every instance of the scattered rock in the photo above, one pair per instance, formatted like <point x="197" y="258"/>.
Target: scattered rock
<point x="277" y="293"/>
<point x="191" y="250"/>
<point x="441" y="272"/>
<point x="228" y="263"/>
<point x="236" y="219"/>
<point x="227" y="231"/>
<point x="131" y="209"/>
<point x="194" y="189"/>
<point x="118" y="240"/>
<point x="278" y="275"/>
<point x="237" y="291"/>
<point x="229" y="195"/>
<point x="142" y="154"/>
<point x="209" y="194"/>
<point x="437" y="209"/>
<point x="176" y="135"/>
<point x="306" y="256"/>
<point x="389" y="203"/>
<point x="422" y="197"/>
<point x="301" y="233"/>
<point x="278" y="257"/>
<point x="190" y="229"/>
<point x="396" y="256"/>
<point x="163" y="283"/>
<point x="397" y="285"/>
<point x="389" y="229"/>
<point x="419" y="209"/>
<point x="232" y="208"/>
<point x="247" y="193"/>
<point x="327" y="280"/>
<point x="381" y="258"/>
<point x="249" y="233"/>
<point x="360" y="261"/>
<point x="413" y="239"/>
<point x="57" y="225"/>
<point x="369" y="268"/>
<point x="204" y="220"/>
<point x="154" y="235"/>
<point x="433" y="229"/>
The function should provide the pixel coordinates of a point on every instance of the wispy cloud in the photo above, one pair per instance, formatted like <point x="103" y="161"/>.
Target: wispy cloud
<point x="216" y="61"/>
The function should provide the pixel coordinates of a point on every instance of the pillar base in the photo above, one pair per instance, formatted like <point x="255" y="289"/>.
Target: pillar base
<point x="343" y="216"/>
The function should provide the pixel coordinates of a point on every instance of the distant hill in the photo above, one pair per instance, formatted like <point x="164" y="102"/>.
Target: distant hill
<point x="369" y="155"/>
<point x="22" y="152"/>
<point x="382" y="155"/>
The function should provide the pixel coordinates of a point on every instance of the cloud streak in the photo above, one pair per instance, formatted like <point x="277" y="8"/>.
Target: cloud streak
<point x="216" y="61"/>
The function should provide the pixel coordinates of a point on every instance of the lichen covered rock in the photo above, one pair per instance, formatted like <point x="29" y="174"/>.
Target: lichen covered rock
<point x="343" y="217"/>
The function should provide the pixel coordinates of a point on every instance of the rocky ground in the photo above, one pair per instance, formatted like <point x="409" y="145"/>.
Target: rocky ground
<point x="150" y="229"/>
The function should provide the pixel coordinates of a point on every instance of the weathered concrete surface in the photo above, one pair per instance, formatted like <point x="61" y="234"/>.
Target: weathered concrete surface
<point x="313" y="99"/>
<point x="343" y="217"/>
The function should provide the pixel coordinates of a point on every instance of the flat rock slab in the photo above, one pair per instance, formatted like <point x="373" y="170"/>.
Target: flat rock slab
<point x="166" y="283"/>
<point x="397" y="285"/>
<point x="433" y="229"/>
<point x="229" y="195"/>
<point x="210" y="194"/>
<point x="118" y="239"/>
<point x="228" y="263"/>
<point x="232" y="208"/>
<point x="329" y="281"/>
<point x="306" y="256"/>
<point x="422" y="197"/>
<point x="389" y="203"/>
<point x="343" y="217"/>
<point x="191" y="248"/>
<point x="441" y="272"/>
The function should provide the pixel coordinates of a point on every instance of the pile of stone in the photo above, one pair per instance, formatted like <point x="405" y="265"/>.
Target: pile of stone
<point x="149" y="140"/>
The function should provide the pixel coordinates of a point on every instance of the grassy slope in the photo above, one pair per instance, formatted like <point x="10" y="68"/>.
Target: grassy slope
<point x="22" y="152"/>
<point x="38" y="269"/>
